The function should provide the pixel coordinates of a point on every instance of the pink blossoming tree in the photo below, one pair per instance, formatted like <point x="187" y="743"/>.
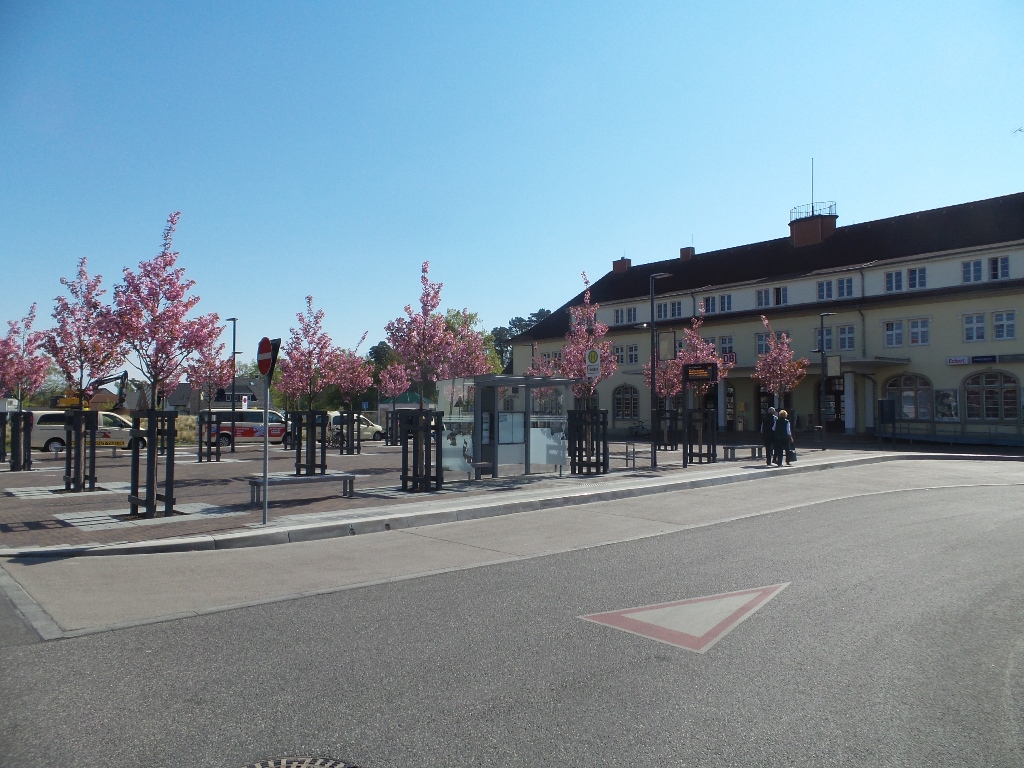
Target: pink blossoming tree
<point x="22" y="367"/>
<point x="428" y="347"/>
<point x="776" y="369"/>
<point x="354" y="373"/>
<point x="86" y="343"/>
<point x="310" y="359"/>
<point x="394" y="380"/>
<point x="695" y="350"/>
<point x="208" y="370"/>
<point x="152" y="308"/>
<point x="586" y="332"/>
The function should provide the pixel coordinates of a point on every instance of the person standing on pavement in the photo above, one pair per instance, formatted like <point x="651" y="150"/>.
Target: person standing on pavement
<point x="768" y="432"/>
<point x="783" y="437"/>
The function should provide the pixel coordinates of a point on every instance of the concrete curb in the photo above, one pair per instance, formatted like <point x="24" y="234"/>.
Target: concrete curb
<point x="475" y="509"/>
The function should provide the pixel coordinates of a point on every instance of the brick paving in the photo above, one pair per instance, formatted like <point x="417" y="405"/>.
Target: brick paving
<point x="35" y="511"/>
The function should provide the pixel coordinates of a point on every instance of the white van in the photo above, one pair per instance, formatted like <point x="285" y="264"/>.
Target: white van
<point x="249" y="426"/>
<point x="48" y="431"/>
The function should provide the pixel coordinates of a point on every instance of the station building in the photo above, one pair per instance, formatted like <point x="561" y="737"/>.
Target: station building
<point x="919" y="309"/>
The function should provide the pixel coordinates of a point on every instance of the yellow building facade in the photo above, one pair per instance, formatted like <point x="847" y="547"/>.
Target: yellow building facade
<point x="919" y="310"/>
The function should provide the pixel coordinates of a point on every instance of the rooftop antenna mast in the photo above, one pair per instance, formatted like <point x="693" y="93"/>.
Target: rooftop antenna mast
<point x="812" y="186"/>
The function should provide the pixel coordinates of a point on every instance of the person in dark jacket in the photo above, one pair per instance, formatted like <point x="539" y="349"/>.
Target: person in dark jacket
<point x="782" y="437"/>
<point x="767" y="433"/>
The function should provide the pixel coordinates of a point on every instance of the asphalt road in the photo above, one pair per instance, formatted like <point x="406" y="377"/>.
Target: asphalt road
<point x="898" y="642"/>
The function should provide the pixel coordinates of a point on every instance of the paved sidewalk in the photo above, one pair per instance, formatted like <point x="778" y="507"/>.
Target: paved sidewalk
<point x="91" y="523"/>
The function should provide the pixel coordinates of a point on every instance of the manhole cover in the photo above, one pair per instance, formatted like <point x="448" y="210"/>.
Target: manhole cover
<point x="301" y="762"/>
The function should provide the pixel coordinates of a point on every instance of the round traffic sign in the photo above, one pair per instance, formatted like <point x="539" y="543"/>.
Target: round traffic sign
<point x="263" y="356"/>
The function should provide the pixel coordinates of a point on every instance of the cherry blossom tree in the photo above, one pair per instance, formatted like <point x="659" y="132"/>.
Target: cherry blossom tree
<point x="152" y="308"/>
<point x="86" y="343"/>
<point x="22" y="368"/>
<point x="310" y="361"/>
<point x="427" y="347"/>
<point x="776" y="369"/>
<point x="585" y="333"/>
<point x="208" y="370"/>
<point x="394" y="380"/>
<point x="695" y="350"/>
<point x="354" y="374"/>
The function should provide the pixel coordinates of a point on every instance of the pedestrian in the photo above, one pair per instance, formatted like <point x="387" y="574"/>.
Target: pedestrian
<point x="767" y="433"/>
<point x="783" y="437"/>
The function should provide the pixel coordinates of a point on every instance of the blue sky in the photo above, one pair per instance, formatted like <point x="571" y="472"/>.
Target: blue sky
<point x="330" y="148"/>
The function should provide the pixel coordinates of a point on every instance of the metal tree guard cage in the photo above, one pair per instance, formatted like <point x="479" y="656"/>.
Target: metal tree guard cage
<point x="80" y="433"/>
<point x="420" y="435"/>
<point x="309" y="428"/>
<point x="159" y="434"/>
<point x="588" y="442"/>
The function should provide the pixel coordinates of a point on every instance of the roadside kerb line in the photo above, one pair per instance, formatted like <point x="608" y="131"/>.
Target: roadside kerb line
<point x="417" y="514"/>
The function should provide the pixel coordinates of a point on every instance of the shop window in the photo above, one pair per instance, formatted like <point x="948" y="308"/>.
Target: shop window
<point x="992" y="396"/>
<point x="913" y="396"/>
<point x="626" y="402"/>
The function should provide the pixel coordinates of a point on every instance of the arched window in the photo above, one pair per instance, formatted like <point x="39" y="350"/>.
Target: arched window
<point x="625" y="402"/>
<point x="992" y="397"/>
<point x="913" y="396"/>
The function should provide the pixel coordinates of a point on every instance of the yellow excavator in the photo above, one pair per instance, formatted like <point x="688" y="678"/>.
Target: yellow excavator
<point x="71" y="399"/>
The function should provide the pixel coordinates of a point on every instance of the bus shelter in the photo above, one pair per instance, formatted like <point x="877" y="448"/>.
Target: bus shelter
<point x="497" y="419"/>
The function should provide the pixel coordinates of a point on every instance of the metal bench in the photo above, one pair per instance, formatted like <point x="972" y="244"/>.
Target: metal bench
<point x="729" y="451"/>
<point x="346" y="479"/>
<point x="478" y="468"/>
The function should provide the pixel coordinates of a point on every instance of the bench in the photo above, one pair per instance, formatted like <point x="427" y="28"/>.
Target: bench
<point x="729" y="451"/>
<point x="346" y="479"/>
<point x="478" y="469"/>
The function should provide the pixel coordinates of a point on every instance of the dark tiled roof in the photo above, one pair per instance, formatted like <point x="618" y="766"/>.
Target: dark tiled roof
<point x="968" y="225"/>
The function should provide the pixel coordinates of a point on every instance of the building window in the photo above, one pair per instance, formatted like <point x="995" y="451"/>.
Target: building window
<point x="893" y="281"/>
<point x="894" y="333"/>
<point x="556" y="355"/>
<point x="677" y="309"/>
<point x="974" y="327"/>
<point x="633" y="354"/>
<point x="625" y="402"/>
<point x="999" y="268"/>
<point x="725" y="302"/>
<point x="725" y="344"/>
<point x="844" y="287"/>
<point x="781" y="295"/>
<point x="762" y="343"/>
<point x="847" y="340"/>
<point x="709" y="340"/>
<point x="620" y="317"/>
<point x="970" y="271"/>
<point x="680" y="346"/>
<point x="661" y="311"/>
<point x="762" y="297"/>
<point x="992" y="397"/>
<point x="545" y="355"/>
<point x="708" y="303"/>
<point x="917" y="278"/>
<point x="919" y="332"/>
<point x="631" y="315"/>
<point x="1004" y="325"/>
<point x="824" y="290"/>
<point x="913" y="396"/>
<point x="618" y="353"/>
<point x="828" y="339"/>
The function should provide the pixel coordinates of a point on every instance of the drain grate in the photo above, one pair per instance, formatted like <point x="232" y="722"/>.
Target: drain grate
<point x="301" y="762"/>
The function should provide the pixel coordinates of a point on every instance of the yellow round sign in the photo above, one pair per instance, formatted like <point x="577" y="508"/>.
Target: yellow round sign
<point x="593" y="357"/>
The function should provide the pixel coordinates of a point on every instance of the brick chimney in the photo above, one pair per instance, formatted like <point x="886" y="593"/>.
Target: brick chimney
<point x="687" y="253"/>
<point x="621" y="265"/>
<point x="812" y="224"/>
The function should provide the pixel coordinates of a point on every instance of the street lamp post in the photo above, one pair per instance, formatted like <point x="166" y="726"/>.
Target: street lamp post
<point x="234" y="328"/>
<point x="821" y="395"/>
<point x="654" y="374"/>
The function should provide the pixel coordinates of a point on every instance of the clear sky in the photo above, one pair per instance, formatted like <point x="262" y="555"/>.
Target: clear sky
<point x="329" y="148"/>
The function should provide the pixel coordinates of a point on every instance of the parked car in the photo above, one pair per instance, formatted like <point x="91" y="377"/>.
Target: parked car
<point x="368" y="430"/>
<point x="113" y="430"/>
<point x="249" y="426"/>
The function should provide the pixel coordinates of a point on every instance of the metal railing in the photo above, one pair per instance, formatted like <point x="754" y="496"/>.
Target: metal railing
<point x="813" y="209"/>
